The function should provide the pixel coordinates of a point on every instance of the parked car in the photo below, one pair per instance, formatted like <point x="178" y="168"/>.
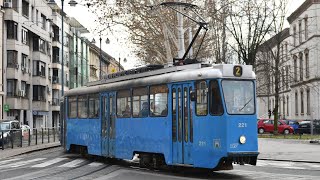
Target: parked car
<point x="267" y="125"/>
<point x="9" y="130"/>
<point x="305" y="127"/>
<point x="293" y="123"/>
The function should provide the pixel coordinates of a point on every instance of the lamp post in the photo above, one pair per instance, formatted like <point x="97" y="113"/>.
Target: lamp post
<point x="53" y="3"/>
<point x="124" y="60"/>
<point x="100" y="53"/>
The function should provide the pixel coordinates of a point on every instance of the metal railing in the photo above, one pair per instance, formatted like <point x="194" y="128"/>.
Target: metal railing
<point x="17" y="138"/>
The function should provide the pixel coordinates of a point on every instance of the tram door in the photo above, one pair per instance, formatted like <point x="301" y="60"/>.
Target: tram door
<point x="182" y="124"/>
<point x="108" y="124"/>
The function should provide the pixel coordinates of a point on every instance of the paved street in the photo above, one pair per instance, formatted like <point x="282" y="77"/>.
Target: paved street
<point x="54" y="163"/>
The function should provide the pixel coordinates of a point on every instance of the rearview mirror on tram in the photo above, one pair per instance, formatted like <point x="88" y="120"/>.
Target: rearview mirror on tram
<point x="193" y="96"/>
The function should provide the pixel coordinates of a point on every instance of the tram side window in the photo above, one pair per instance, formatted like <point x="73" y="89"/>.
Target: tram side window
<point x="72" y="107"/>
<point x="216" y="107"/>
<point x="124" y="104"/>
<point x="94" y="106"/>
<point x="140" y="102"/>
<point x="83" y="106"/>
<point x="202" y="98"/>
<point x="159" y="100"/>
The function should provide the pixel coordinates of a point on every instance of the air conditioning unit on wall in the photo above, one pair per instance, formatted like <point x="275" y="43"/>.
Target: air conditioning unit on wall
<point x="7" y="4"/>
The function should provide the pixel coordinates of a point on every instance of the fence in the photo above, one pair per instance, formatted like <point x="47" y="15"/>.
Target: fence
<point x="21" y="138"/>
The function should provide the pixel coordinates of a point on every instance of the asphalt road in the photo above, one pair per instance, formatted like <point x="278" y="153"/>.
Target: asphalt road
<point x="56" y="164"/>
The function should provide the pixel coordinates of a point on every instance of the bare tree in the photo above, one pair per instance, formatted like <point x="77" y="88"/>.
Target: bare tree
<point x="152" y="30"/>
<point x="271" y="65"/>
<point x="250" y="21"/>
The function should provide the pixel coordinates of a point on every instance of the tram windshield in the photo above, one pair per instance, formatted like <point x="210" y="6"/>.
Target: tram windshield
<point x="239" y="96"/>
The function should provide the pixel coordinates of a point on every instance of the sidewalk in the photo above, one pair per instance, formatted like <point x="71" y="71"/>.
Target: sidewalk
<point x="17" y="151"/>
<point x="289" y="150"/>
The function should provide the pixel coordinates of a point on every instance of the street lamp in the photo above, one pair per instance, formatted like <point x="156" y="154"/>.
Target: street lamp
<point x="124" y="60"/>
<point x="53" y="3"/>
<point x="100" y="54"/>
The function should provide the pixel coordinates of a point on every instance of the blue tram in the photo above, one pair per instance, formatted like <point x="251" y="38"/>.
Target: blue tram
<point x="189" y="115"/>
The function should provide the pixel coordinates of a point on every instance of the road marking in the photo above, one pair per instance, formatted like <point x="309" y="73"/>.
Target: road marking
<point x="9" y="160"/>
<point x="95" y="164"/>
<point x="22" y="163"/>
<point x="73" y="163"/>
<point x="48" y="163"/>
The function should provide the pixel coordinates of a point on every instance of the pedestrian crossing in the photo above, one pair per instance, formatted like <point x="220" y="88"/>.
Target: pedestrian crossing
<point x="288" y="165"/>
<point x="65" y="162"/>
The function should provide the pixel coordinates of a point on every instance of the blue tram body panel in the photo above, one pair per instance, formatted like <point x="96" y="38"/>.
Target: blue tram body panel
<point x="209" y="141"/>
<point x="215" y="139"/>
<point x="142" y="135"/>
<point x="84" y="132"/>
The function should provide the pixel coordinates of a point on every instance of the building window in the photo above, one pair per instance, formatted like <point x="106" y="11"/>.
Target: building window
<point x="43" y="21"/>
<point x="301" y="66"/>
<point x="295" y="68"/>
<point x="296" y="102"/>
<point x="24" y="62"/>
<point x="55" y="55"/>
<point x="294" y="35"/>
<point x="300" y="32"/>
<point x="12" y="59"/>
<point x="39" y="44"/>
<point x="284" y="106"/>
<point x="37" y="17"/>
<point x="11" y="87"/>
<point x="24" y="38"/>
<point x="39" y="68"/>
<point x="39" y="93"/>
<point x="12" y="30"/>
<point x="32" y="13"/>
<point x="15" y="5"/>
<point x="288" y="105"/>
<point x="306" y="27"/>
<point x="287" y="77"/>
<point x="23" y="88"/>
<point x="302" y="104"/>
<point x="308" y="101"/>
<point x="307" y="62"/>
<point x="25" y="8"/>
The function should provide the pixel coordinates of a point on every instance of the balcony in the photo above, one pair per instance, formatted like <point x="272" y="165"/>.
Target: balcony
<point x="55" y="80"/>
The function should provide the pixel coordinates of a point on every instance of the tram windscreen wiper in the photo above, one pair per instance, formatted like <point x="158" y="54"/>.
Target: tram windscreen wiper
<point x="245" y="104"/>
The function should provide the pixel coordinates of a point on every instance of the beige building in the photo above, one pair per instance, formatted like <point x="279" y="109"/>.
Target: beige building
<point x="108" y="64"/>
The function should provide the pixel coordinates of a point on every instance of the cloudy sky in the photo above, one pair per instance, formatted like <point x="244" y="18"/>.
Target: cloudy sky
<point x="117" y="46"/>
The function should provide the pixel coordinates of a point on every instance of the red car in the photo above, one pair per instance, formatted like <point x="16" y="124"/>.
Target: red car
<point x="266" y="125"/>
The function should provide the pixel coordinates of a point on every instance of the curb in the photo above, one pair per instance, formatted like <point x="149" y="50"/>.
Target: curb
<point x="283" y="160"/>
<point x="19" y="151"/>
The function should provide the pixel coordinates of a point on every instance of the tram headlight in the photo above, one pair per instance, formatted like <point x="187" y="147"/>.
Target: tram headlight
<point x="242" y="139"/>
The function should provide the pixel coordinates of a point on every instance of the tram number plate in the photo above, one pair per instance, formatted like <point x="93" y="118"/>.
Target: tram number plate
<point x="242" y="125"/>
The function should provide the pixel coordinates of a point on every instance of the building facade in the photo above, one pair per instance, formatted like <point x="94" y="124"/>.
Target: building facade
<point x="301" y="99"/>
<point x="31" y="85"/>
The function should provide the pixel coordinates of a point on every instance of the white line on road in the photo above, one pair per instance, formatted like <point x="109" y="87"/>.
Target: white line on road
<point x="22" y="163"/>
<point x="73" y="163"/>
<point x="9" y="160"/>
<point x="48" y="163"/>
<point x="95" y="164"/>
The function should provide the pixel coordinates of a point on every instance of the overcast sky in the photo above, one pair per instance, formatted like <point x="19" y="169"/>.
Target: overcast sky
<point x="117" y="46"/>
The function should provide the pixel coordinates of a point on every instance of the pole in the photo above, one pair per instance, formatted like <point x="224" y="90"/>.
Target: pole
<point x="62" y="69"/>
<point x="119" y="64"/>
<point x="62" y="43"/>
<point x="100" y="59"/>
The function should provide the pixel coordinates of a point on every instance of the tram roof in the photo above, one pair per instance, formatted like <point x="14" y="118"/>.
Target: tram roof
<point x="164" y="76"/>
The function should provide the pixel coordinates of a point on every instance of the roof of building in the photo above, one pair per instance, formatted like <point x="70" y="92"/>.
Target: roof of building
<point x="301" y="9"/>
<point x="275" y="39"/>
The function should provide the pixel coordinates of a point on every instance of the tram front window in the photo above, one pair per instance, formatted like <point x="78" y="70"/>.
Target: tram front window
<point x="239" y="96"/>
